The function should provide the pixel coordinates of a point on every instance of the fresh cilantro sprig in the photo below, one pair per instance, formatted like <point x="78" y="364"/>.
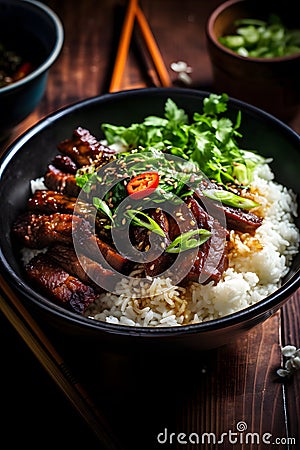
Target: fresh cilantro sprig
<point x="156" y="132"/>
<point x="209" y="139"/>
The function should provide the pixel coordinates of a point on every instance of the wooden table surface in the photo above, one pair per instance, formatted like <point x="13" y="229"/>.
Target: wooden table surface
<point x="210" y="392"/>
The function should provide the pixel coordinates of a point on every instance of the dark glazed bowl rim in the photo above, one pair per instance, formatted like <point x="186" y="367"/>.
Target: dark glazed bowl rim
<point x="52" y="56"/>
<point x="211" y="36"/>
<point x="264" y="307"/>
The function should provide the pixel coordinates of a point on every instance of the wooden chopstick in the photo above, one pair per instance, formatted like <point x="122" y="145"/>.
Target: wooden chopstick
<point x="153" y="48"/>
<point x="148" y="72"/>
<point x="134" y="11"/>
<point x="123" y="48"/>
<point x="44" y="351"/>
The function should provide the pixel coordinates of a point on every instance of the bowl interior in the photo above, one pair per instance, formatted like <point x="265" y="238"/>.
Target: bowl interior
<point x="28" y="157"/>
<point x="32" y="30"/>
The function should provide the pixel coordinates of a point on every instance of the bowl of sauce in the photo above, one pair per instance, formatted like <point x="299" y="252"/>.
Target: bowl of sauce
<point x="31" y="39"/>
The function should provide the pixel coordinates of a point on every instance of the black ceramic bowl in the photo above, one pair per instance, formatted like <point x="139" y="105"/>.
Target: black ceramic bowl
<point x="35" y="32"/>
<point x="28" y="157"/>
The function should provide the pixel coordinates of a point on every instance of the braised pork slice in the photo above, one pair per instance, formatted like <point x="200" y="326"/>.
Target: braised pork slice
<point x="88" y="271"/>
<point x="62" y="182"/>
<point x="236" y="218"/>
<point x="83" y="148"/>
<point x="49" y="202"/>
<point x="240" y="220"/>
<point x="39" y="231"/>
<point x="65" y="164"/>
<point x="65" y="289"/>
<point x="212" y="257"/>
<point x="164" y="260"/>
<point x="151" y="245"/>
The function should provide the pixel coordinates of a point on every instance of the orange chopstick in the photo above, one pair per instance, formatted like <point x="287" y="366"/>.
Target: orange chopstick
<point x="134" y="11"/>
<point x="153" y="49"/>
<point x="44" y="351"/>
<point x="123" y="46"/>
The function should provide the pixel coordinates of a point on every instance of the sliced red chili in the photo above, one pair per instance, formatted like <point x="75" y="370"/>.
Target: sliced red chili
<point x="143" y="184"/>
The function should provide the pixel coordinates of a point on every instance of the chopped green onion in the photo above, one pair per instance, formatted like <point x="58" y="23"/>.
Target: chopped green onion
<point x="230" y="199"/>
<point x="240" y="172"/>
<point x="186" y="241"/>
<point x="253" y="22"/>
<point x="102" y="206"/>
<point x="150" y="225"/>
<point x="250" y="34"/>
<point x="262" y="39"/>
<point x="232" y="41"/>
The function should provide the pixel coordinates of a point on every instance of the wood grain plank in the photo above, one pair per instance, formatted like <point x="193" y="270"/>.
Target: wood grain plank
<point x="240" y="384"/>
<point x="291" y="336"/>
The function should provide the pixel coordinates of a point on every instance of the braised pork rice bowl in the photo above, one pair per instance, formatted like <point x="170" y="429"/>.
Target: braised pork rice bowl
<point x="166" y="222"/>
